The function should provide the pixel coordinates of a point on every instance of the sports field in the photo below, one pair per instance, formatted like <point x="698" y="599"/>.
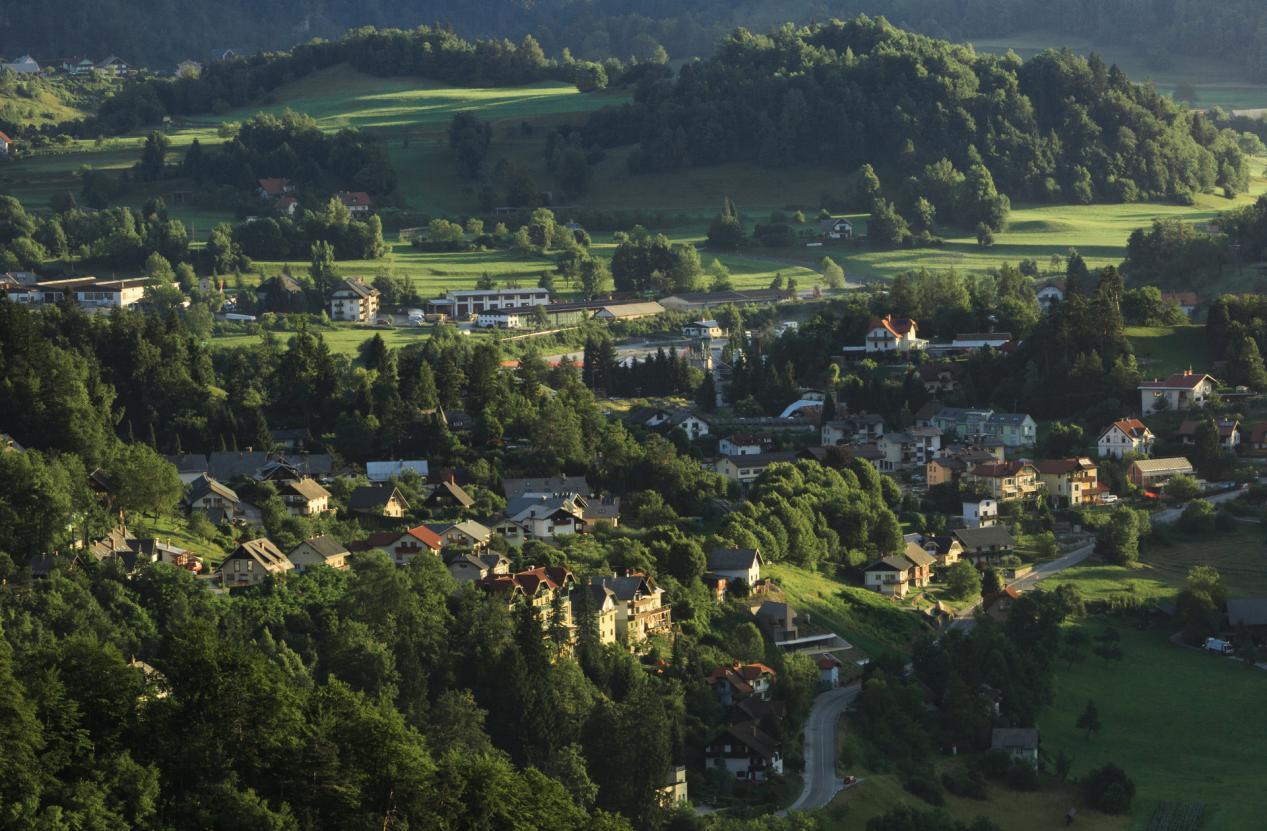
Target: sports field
<point x="1184" y="725"/>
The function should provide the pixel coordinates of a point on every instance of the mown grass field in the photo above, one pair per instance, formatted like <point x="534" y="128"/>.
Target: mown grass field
<point x="871" y="623"/>
<point x="342" y="341"/>
<point x="1163" y="350"/>
<point x="1184" y="725"/>
<point x="1240" y="556"/>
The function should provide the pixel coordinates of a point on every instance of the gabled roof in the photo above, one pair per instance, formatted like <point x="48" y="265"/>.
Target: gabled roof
<point x="917" y="555"/>
<point x="309" y="489"/>
<point x="382" y="471"/>
<point x="205" y="485"/>
<point x="1132" y="427"/>
<point x="274" y="186"/>
<point x="262" y="551"/>
<point x="1173" y="463"/>
<point x="757" y="742"/>
<point x="997" y="470"/>
<point x="1014" y="738"/>
<point x="1186" y="380"/>
<point x="326" y="546"/>
<point x="898" y="327"/>
<point x="512" y="488"/>
<point x="358" y="287"/>
<point x="1063" y="467"/>
<point x="354" y="198"/>
<point x="894" y="562"/>
<point x="374" y="497"/>
<point x="453" y="491"/>
<point x="734" y="559"/>
<point x="426" y="536"/>
<point x="995" y="536"/>
<point x="628" y="586"/>
<point x="470" y="527"/>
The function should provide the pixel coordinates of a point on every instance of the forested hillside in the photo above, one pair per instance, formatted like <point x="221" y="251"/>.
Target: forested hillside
<point x="166" y="31"/>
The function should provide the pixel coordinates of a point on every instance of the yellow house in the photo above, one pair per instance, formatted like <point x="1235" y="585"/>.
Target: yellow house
<point x="1005" y="481"/>
<point x="1070" y="481"/>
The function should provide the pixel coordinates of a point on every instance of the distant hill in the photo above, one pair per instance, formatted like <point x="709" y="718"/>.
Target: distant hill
<point x="163" y="32"/>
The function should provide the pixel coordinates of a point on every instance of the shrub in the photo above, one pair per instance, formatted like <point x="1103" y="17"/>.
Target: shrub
<point x="1108" y="789"/>
<point x="925" y="788"/>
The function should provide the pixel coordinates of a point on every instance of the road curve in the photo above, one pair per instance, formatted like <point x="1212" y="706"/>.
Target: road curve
<point x="821" y="781"/>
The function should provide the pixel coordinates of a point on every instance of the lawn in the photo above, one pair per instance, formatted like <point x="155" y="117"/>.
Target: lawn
<point x="868" y="621"/>
<point x="1163" y="350"/>
<point x="341" y="340"/>
<point x="1184" y="725"/>
<point x="173" y="530"/>
<point x="1240" y="556"/>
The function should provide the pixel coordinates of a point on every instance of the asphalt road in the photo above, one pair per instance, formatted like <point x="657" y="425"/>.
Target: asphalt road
<point x="1170" y="515"/>
<point x="966" y="620"/>
<point x="821" y="781"/>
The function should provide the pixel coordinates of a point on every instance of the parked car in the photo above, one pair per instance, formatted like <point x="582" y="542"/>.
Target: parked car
<point x="1109" y="498"/>
<point x="1220" y="646"/>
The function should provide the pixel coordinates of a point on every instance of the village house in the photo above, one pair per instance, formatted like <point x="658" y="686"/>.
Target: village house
<point x="836" y="229"/>
<point x="1126" y="435"/>
<point x="896" y="574"/>
<point x="1229" y="432"/>
<point x="1184" y="391"/>
<point x="944" y="547"/>
<point x="356" y="201"/>
<point x="547" y="517"/>
<point x="745" y="751"/>
<point x="745" y="444"/>
<point x="25" y="65"/>
<point x="545" y="486"/>
<point x="828" y="670"/>
<point x="778" y="619"/>
<point x="383" y="471"/>
<point x="703" y="329"/>
<point x="378" y="500"/>
<point x="274" y="188"/>
<point x="940" y="378"/>
<point x="1021" y="743"/>
<point x="1153" y="473"/>
<point x="402" y="548"/>
<point x="467" y="567"/>
<point x="252" y="562"/>
<point x="354" y="301"/>
<point x="6" y="145"/>
<point x="1071" y="482"/>
<point x="537" y="587"/>
<point x="986" y="545"/>
<point x="854" y="428"/>
<point x="999" y="605"/>
<point x="982" y="513"/>
<point x="1013" y="429"/>
<point x="737" y="682"/>
<point x="207" y="495"/>
<point x="737" y="565"/>
<point x="448" y="494"/>
<point x="910" y="449"/>
<point x="319" y="551"/>
<point x="673" y="792"/>
<point x="893" y="335"/>
<point x="304" y="497"/>
<point x="956" y="460"/>
<point x="641" y="611"/>
<point x="468" y="533"/>
<point x="1005" y="481"/>
<point x="1185" y="300"/>
<point x="602" y="604"/>
<point x="748" y="469"/>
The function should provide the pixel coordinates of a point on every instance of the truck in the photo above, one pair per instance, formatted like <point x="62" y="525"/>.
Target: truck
<point x="1217" y="645"/>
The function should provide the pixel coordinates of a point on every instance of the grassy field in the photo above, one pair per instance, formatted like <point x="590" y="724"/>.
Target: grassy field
<point x="868" y="621"/>
<point x="1184" y="725"/>
<point x="1240" y="556"/>
<point x="173" y="530"/>
<point x="1163" y="350"/>
<point x="342" y="341"/>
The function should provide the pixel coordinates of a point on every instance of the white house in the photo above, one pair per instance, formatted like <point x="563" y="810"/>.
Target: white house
<point x="467" y="303"/>
<point x="911" y="449"/>
<point x="1184" y="391"/>
<point x="889" y="334"/>
<point x="111" y="293"/>
<point x="836" y="228"/>
<point x="736" y="564"/>
<point x="501" y="319"/>
<point x="744" y="444"/>
<point x="5" y="144"/>
<point x="354" y="301"/>
<point x="24" y="65"/>
<point x="702" y="329"/>
<point x="1126" y="435"/>
<point x="1051" y="294"/>
<point x="982" y="514"/>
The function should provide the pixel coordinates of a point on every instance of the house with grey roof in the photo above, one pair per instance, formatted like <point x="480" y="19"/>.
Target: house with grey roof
<point x="319" y="551"/>
<point x="741" y="565"/>
<point x="253" y="562"/>
<point x="1021" y="743"/>
<point x="984" y="546"/>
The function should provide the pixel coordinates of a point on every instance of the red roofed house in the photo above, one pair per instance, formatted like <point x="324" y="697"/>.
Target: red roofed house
<point x="1126" y="435"/>
<point x="1071" y="482"/>
<point x="5" y="144"/>
<point x="1256" y="437"/>
<point x="356" y="201"/>
<point x="537" y="586"/>
<point x="890" y="334"/>
<point x="287" y="205"/>
<point x="1186" y="390"/>
<point x="739" y="681"/>
<point x="412" y="543"/>
<point x="999" y="606"/>
<point x="274" y="188"/>
<point x="828" y="670"/>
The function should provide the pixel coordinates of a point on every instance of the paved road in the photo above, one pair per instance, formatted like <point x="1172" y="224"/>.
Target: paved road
<point x="1170" y="515"/>
<point x="821" y="781"/>
<point x="967" y="620"/>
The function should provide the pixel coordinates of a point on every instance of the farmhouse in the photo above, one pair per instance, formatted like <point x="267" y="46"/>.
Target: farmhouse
<point x="742" y="565"/>
<point x="378" y="500"/>
<point x="1184" y="391"/>
<point x="836" y="229"/>
<point x="357" y="202"/>
<point x="1021" y="743"/>
<point x="702" y="329"/>
<point x="897" y="574"/>
<point x="747" y="469"/>
<point x="985" y="545"/>
<point x="252" y="562"/>
<point x="889" y="334"/>
<point x="319" y="551"/>
<point x="1126" y="435"/>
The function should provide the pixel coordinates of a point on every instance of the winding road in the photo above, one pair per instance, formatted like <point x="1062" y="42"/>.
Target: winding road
<point x="821" y="781"/>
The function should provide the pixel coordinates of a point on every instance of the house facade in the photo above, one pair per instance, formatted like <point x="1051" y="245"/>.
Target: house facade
<point x="1187" y="390"/>
<point x="745" y="444"/>
<point x="893" y="335"/>
<point x="702" y="329"/>
<point x="745" y="752"/>
<point x="465" y="304"/>
<point x="354" y="301"/>
<point x="741" y="565"/>
<point x="304" y="497"/>
<point x="1152" y="473"/>
<point x="747" y="469"/>
<point x="319" y="551"/>
<point x="909" y="450"/>
<point x="1005" y="481"/>
<point x="1126" y="435"/>
<point x="1071" y="482"/>
<point x="982" y="513"/>
<point x="253" y="562"/>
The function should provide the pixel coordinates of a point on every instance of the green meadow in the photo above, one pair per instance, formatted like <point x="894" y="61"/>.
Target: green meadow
<point x="1185" y="725"/>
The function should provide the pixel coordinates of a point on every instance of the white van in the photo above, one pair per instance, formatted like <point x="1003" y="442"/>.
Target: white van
<point x="1220" y="646"/>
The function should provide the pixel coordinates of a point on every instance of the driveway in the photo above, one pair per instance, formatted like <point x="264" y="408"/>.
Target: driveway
<point x="821" y="781"/>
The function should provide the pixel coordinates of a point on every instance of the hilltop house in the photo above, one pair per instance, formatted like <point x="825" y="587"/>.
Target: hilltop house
<point x="1005" y="481"/>
<point x="1126" y="435"/>
<point x="252" y="562"/>
<point x="1071" y="482"/>
<point x="982" y="513"/>
<point x="304" y="497"/>
<point x="737" y="681"/>
<point x="1152" y="473"/>
<point x="319" y="551"/>
<point x="745" y="444"/>
<point x="747" y="469"/>
<point x="1184" y="391"/>
<point x="897" y="574"/>
<point x="641" y="611"/>
<point x="1021" y="743"/>
<point x="354" y="301"/>
<point x="469" y="568"/>
<point x="737" y="565"/>
<point x="889" y="334"/>
<point x="985" y="545"/>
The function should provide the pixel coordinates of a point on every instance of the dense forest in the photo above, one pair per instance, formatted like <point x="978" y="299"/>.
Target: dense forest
<point x="171" y="30"/>
<point x="928" y="113"/>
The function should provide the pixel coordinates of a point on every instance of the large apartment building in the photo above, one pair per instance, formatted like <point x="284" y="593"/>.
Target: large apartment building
<point x="467" y="303"/>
